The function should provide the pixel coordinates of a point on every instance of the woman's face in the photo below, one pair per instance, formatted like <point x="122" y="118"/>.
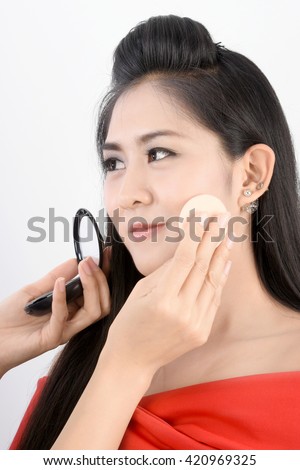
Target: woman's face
<point x="155" y="177"/>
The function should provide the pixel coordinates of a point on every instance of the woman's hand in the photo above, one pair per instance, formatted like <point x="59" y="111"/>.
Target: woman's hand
<point x="171" y="311"/>
<point x="24" y="336"/>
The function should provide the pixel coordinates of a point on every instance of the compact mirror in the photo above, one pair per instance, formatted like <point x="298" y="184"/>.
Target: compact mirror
<point x="88" y="241"/>
<point x="87" y="237"/>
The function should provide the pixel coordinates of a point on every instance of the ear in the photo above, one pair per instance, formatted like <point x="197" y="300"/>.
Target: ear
<point x="257" y="167"/>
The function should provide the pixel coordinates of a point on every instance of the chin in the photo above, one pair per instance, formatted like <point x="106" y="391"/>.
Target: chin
<point x="148" y="261"/>
<point x="146" y="270"/>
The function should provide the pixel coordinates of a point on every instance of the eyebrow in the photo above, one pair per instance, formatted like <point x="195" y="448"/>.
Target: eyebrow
<point x="142" y="139"/>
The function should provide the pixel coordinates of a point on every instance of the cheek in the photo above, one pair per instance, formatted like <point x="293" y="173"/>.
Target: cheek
<point x="188" y="182"/>
<point x="108" y="204"/>
<point x="198" y="179"/>
<point x="108" y="199"/>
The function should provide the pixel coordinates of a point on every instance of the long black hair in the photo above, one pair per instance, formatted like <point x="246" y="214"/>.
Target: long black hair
<point x="226" y="92"/>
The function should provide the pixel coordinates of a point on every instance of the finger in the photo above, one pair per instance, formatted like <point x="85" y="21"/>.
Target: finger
<point x="184" y="259"/>
<point x="53" y="331"/>
<point x="215" y="279"/>
<point x="96" y="298"/>
<point x="182" y="262"/>
<point x="61" y="328"/>
<point x="104" y="292"/>
<point x="91" y="309"/>
<point x="153" y="280"/>
<point x="205" y="268"/>
<point x="91" y="294"/>
<point x="210" y="315"/>
<point x="68" y="270"/>
<point x="104" y="297"/>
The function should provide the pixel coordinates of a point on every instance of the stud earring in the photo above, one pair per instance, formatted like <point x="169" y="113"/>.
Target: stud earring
<point x="250" y="208"/>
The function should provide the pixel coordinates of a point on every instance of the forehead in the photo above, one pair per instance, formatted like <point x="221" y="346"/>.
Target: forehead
<point x="145" y="107"/>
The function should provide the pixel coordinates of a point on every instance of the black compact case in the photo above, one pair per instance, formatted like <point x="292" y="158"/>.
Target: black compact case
<point x="43" y="304"/>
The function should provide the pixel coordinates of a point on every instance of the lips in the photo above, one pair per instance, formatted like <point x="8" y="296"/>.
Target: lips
<point x="140" y="227"/>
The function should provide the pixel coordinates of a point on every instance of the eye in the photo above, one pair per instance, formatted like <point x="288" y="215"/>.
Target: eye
<point x="161" y="151"/>
<point x="109" y="163"/>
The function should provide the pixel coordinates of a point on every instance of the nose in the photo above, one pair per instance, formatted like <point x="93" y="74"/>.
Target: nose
<point x="135" y="189"/>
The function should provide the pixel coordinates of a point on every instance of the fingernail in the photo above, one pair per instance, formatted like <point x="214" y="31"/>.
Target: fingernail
<point x="92" y="264"/>
<point x="227" y="267"/>
<point x="86" y="267"/>
<point x="96" y="260"/>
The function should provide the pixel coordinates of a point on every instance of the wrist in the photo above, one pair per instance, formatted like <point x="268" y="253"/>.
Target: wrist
<point x="124" y="371"/>
<point x="104" y="410"/>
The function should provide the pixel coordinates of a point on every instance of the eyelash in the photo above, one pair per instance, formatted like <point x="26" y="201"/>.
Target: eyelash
<point x="108" y="161"/>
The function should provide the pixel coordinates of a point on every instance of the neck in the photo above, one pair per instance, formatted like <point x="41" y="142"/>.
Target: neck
<point x="247" y="309"/>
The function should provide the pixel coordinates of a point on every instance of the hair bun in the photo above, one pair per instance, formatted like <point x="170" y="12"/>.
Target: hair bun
<point x="169" y="42"/>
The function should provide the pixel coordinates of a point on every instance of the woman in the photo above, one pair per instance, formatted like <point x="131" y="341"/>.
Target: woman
<point x="187" y="358"/>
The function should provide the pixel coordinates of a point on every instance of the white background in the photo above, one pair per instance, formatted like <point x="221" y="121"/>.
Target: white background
<point x="55" y="61"/>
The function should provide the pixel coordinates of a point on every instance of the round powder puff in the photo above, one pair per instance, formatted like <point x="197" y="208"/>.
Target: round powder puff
<point x="202" y="203"/>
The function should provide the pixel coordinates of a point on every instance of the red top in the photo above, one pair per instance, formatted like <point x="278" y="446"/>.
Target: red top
<point x="251" y="412"/>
